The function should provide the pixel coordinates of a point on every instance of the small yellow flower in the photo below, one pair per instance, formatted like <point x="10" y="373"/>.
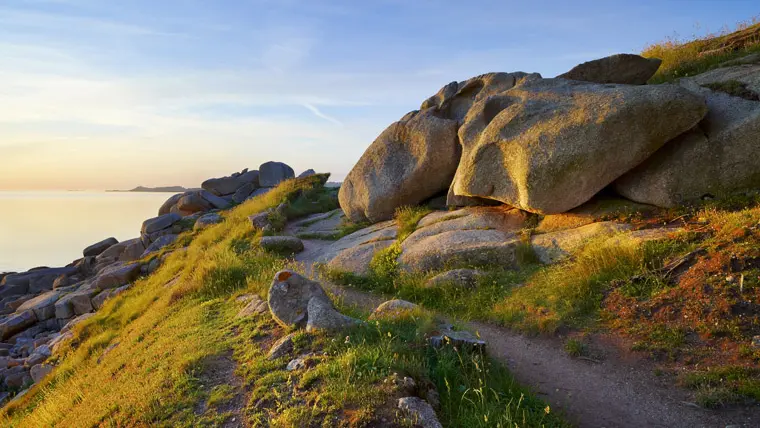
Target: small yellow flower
<point x="547" y="410"/>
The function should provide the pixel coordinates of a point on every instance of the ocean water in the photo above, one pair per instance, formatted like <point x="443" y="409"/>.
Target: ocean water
<point x="52" y="228"/>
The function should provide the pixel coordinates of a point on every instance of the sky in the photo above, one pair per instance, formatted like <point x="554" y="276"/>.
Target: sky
<point x="102" y="94"/>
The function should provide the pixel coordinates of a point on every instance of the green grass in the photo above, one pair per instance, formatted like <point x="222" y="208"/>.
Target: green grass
<point x="683" y="58"/>
<point x="575" y="347"/>
<point x="724" y="386"/>
<point x="407" y="218"/>
<point x="163" y="338"/>
<point x="734" y="88"/>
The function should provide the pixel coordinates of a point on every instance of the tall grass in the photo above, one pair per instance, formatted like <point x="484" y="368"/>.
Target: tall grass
<point x="688" y="57"/>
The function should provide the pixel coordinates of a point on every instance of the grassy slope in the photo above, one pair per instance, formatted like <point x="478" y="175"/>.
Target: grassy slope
<point x="146" y="357"/>
<point x="698" y="319"/>
<point x="682" y="58"/>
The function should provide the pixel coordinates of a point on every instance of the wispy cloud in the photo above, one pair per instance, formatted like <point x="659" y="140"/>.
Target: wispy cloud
<point x="318" y="113"/>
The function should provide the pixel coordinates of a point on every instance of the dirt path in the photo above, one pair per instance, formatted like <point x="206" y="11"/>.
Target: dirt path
<point x="613" y="392"/>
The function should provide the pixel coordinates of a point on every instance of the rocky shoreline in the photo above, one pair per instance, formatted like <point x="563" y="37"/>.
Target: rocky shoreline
<point x="39" y="307"/>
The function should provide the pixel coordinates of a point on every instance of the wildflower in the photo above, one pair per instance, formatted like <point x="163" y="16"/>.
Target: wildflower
<point x="547" y="410"/>
<point x="348" y="339"/>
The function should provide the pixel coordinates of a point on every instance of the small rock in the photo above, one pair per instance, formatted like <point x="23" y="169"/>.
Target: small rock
<point x="296" y="364"/>
<point x="260" y="220"/>
<point x="447" y="336"/>
<point x="466" y="278"/>
<point x="282" y="244"/>
<point x="39" y="371"/>
<point x="254" y="306"/>
<point x="322" y="316"/>
<point x="289" y="297"/>
<point x="207" y="220"/>
<point x="419" y="412"/>
<point x="393" y="309"/>
<point x="282" y="347"/>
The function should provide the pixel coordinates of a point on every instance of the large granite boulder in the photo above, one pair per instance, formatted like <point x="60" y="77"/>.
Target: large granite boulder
<point x="289" y="298"/>
<point x="116" y="275"/>
<point x="719" y="157"/>
<point x="156" y="224"/>
<point x="170" y="203"/>
<point x="621" y="68"/>
<point x="412" y="160"/>
<point x="99" y="247"/>
<point x="192" y="203"/>
<point x="16" y="323"/>
<point x="228" y="185"/>
<point x="549" y="145"/>
<point x="272" y="173"/>
<point x="454" y="100"/>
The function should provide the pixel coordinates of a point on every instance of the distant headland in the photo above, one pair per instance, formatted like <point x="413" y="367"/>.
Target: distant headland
<point x="170" y="189"/>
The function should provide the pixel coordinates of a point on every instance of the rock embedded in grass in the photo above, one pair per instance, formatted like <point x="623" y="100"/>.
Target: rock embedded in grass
<point x="254" y="306"/>
<point x="393" y="309"/>
<point x="322" y="316"/>
<point x="465" y="278"/>
<point x="289" y="297"/>
<point x="282" y="244"/>
<point x="446" y="335"/>
<point x="282" y="347"/>
<point x="419" y="412"/>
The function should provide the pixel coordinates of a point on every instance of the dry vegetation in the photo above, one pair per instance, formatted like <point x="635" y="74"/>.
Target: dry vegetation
<point x="683" y="58"/>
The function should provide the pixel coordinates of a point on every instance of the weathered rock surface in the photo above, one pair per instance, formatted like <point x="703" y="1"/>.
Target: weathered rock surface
<point x="215" y="201"/>
<point x="272" y="173"/>
<point x="289" y="297"/>
<point x="412" y="160"/>
<point x="171" y="202"/>
<point x="554" y="246"/>
<point x="243" y="193"/>
<point x="43" y="305"/>
<point x="254" y="306"/>
<point x="282" y="347"/>
<point x="207" y="220"/>
<point x="357" y="259"/>
<point x="471" y="236"/>
<point x="17" y="322"/>
<point x="717" y="158"/>
<point x="159" y="223"/>
<point x="161" y="242"/>
<point x="322" y="316"/>
<point x="447" y="336"/>
<point x="746" y="74"/>
<point x="99" y="247"/>
<point x="117" y="275"/>
<point x="282" y="244"/>
<point x="454" y="100"/>
<point x="393" y="309"/>
<point x="465" y="278"/>
<point x="621" y="68"/>
<point x="549" y="145"/>
<point x="39" y="371"/>
<point x="191" y="203"/>
<point x="419" y="412"/>
<point x="307" y="173"/>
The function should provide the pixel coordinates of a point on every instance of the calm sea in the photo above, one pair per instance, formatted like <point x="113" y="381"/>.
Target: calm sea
<point x="52" y="228"/>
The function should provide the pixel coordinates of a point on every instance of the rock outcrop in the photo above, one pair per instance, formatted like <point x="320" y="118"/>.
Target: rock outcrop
<point x="409" y="162"/>
<point x="273" y="173"/>
<point x="98" y="247"/>
<point x="717" y="158"/>
<point x="621" y="68"/>
<point x="549" y="145"/>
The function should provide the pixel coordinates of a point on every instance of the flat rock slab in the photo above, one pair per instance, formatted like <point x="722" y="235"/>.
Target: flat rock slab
<point x="159" y="223"/>
<point x="555" y="246"/>
<point x="357" y="260"/>
<point x="393" y="309"/>
<point x="325" y="224"/>
<point x="475" y="247"/>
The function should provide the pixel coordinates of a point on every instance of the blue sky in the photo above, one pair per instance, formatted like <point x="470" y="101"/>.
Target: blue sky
<point x="108" y="94"/>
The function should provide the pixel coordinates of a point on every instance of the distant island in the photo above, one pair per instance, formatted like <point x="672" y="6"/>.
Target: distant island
<point x="171" y="189"/>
